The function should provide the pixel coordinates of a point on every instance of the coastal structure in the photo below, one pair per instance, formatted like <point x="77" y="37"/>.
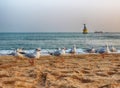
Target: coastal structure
<point x="85" y="30"/>
<point x="98" y="32"/>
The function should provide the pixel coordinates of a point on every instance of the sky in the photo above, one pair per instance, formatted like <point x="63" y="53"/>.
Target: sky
<point x="59" y="15"/>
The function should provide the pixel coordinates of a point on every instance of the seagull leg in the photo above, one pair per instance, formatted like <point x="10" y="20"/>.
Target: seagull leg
<point x="103" y="56"/>
<point x="31" y="61"/>
<point x="62" y="59"/>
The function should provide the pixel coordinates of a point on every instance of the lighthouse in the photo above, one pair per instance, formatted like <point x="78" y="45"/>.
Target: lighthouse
<point x="85" y="31"/>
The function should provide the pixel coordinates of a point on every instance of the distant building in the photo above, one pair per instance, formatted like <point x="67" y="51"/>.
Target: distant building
<point x="85" y="31"/>
<point x="98" y="32"/>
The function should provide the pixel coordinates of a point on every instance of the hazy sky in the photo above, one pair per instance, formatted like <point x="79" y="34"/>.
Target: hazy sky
<point x="59" y="15"/>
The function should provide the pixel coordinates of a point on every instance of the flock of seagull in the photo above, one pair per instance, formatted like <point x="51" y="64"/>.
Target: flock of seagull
<point x="36" y="54"/>
<point x="104" y="49"/>
<point x="21" y="54"/>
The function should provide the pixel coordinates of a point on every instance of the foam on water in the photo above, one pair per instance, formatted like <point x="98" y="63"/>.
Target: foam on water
<point x="45" y="51"/>
<point x="50" y="41"/>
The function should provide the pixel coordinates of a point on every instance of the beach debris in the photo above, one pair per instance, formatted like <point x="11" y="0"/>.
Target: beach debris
<point x="86" y="80"/>
<point x="103" y="74"/>
<point x="111" y="72"/>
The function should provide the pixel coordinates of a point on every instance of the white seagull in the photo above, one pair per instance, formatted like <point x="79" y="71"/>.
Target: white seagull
<point x="33" y="56"/>
<point x="92" y="50"/>
<point x="113" y="49"/>
<point x="36" y="54"/>
<point x="105" y="49"/>
<point x="73" y="50"/>
<point x="63" y="51"/>
<point x="58" y="52"/>
<point x="20" y="53"/>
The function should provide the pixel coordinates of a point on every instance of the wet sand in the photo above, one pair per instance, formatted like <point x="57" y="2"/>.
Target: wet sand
<point x="74" y="71"/>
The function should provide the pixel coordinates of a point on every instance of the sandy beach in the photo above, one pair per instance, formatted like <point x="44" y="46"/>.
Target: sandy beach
<point x="73" y="71"/>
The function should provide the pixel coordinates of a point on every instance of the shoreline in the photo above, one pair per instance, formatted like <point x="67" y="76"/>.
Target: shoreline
<point x="44" y="52"/>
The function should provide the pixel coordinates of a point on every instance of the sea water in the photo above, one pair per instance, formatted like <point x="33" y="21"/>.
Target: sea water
<point x="49" y="41"/>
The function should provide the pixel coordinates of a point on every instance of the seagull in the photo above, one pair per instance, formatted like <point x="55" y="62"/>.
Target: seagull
<point x="33" y="56"/>
<point x="63" y="51"/>
<point x="58" y="52"/>
<point x="36" y="54"/>
<point x="13" y="53"/>
<point x="92" y="50"/>
<point x="104" y="49"/>
<point x="73" y="50"/>
<point x="20" y="50"/>
<point x="107" y="50"/>
<point x="20" y="53"/>
<point x="113" y="49"/>
<point x="16" y="52"/>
